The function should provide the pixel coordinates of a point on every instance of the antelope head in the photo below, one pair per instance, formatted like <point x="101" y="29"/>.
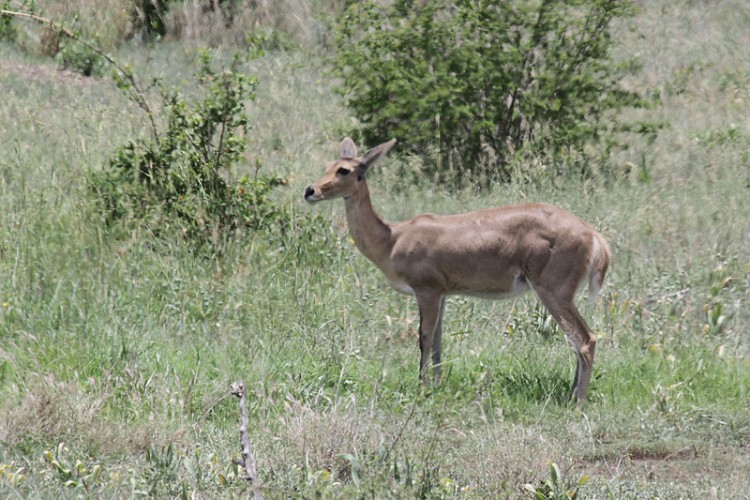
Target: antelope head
<point x="344" y="177"/>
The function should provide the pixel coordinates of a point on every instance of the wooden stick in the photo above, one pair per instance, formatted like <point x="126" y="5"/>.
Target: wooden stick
<point x="248" y="459"/>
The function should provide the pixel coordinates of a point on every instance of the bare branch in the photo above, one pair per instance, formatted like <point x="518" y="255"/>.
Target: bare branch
<point x="248" y="459"/>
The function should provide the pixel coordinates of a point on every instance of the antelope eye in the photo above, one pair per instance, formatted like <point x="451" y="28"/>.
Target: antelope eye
<point x="343" y="171"/>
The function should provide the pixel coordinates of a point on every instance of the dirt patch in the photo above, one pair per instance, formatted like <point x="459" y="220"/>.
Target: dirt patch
<point x="44" y="73"/>
<point x="658" y="450"/>
<point x="673" y="462"/>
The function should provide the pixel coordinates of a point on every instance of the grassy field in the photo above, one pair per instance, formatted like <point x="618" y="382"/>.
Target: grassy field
<point x="117" y="351"/>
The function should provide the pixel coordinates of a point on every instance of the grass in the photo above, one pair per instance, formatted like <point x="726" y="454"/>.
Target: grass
<point x="117" y="353"/>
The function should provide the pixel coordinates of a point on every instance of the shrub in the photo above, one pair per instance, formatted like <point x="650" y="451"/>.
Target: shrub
<point x="180" y="176"/>
<point x="468" y="84"/>
<point x="77" y="57"/>
<point x="8" y="31"/>
<point x="556" y="487"/>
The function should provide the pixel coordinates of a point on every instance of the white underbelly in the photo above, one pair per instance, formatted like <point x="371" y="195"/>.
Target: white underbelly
<point x="493" y="295"/>
<point x="519" y="288"/>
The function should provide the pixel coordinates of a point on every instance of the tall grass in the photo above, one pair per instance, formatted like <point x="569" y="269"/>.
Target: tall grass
<point x="117" y="351"/>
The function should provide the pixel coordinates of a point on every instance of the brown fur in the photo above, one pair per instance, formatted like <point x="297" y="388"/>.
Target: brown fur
<point x="492" y="253"/>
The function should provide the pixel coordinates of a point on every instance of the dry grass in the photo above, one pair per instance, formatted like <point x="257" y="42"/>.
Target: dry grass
<point x="107" y="22"/>
<point x="285" y="21"/>
<point x="51" y="410"/>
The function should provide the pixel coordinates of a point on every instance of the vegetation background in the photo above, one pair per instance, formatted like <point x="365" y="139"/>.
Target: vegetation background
<point x="118" y="344"/>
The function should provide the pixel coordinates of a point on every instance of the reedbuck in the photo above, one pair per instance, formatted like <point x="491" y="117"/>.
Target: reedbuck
<point x="495" y="253"/>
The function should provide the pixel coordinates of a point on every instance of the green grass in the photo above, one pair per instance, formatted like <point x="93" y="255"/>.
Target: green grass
<point x="117" y="351"/>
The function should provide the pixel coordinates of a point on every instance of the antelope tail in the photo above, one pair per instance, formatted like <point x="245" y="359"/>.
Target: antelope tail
<point x="600" y="257"/>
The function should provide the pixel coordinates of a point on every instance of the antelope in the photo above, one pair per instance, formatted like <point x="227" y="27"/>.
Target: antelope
<point x="495" y="253"/>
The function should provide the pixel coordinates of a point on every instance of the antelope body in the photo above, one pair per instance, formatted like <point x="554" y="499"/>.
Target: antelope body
<point x="494" y="253"/>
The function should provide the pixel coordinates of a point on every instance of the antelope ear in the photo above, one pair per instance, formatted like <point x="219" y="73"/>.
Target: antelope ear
<point x="377" y="153"/>
<point x="348" y="150"/>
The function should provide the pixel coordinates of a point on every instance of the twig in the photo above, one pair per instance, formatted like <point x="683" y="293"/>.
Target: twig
<point x="248" y="459"/>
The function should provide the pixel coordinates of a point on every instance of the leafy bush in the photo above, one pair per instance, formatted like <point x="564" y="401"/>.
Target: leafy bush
<point x="468" y="84"/>
<point x="180" y="175"/>
<point x="8" y="31"/>
<point x="79" y="58"/>
<point x="72" y="472"/>
<point x="556" y="487"/>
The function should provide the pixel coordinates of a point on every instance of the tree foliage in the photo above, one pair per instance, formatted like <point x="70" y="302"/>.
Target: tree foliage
<point x="471" y="83"/>
<point x="180" y="176"/>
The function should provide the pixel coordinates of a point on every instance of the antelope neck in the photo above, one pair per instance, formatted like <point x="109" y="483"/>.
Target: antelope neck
<point x="371" y="235"/>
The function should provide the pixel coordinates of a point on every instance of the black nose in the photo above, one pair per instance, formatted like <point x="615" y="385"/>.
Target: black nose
<point x="309" y="191"/>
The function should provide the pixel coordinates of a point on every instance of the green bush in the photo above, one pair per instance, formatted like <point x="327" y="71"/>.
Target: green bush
<point x="8" y="30"/>
<point x="180" y="176"/>
<point x="468" y="84"/>
<point x="556" y="487"/>
<point x="79" y="58"/>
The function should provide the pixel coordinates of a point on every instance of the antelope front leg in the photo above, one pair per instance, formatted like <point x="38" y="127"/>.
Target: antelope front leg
<point x="430" y="306"/>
